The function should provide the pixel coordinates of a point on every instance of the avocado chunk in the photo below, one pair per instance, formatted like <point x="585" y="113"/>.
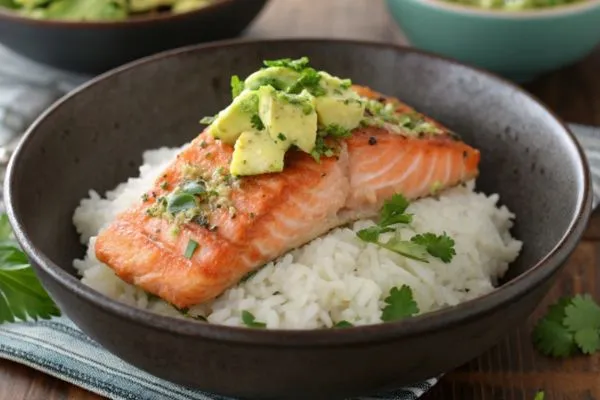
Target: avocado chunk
<point x="346" y="112"/>
<point x="236" y="118"/>
<point x="289" y="118"/>
<point x="278" y="77"/>
<point x="255" y="152"/>
<point x="341" y="106"/>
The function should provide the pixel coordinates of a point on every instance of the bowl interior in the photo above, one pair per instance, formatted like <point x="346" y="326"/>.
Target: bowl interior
<point x="94" y="139"/>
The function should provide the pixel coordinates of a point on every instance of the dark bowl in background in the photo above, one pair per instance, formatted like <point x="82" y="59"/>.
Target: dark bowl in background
<point x="97" y="46"/>
<point x="95" y="136"/>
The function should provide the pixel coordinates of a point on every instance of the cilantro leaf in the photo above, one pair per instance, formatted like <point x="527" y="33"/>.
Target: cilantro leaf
<point x="257" y="122"/>
<point x="553" y="339"/>
<point x="406" y="248"/>
<point x="250" y="321"/>
<point x="400" y="304"/>
<point x="393" y="210"/>
<point x="440" y="246"/>
<point x="371" y="234"/>
<point x="22" y="296"/>
<point x="237" y="86"/>
<point x="539" y="395"/>
<point x="343" y="324"/>
<point x="587" y="340"/>
<point x="297" y="65"/>
<point x="556" y="311"/>
<point x="582" y="313"/>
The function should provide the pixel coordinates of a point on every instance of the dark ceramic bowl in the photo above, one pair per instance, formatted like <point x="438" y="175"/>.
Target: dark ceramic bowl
<point x="95" y="47"/>
<point x="95" y="136"/>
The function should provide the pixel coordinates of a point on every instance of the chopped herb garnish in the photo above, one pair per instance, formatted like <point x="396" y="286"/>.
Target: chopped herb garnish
<point x="208" y="120"/>
<point x="181" y="202"/>
<point x="237" y="86"/>
<point x="571" y="325"/>
<point x="257" y="122"/>
<point x="400" y="304"/>
<point x="281" y="137"/>
<point x="193" y="187"/>
<point x="309" y="80"/>
<point x="145" y="197"/>
<point x="297" y="65"/>
<point x="321" y="149"/>
<point x="164" y="185"/>
<point x="250" y="321"/>
<point x="337" y="131"/>
<point x="346" y="83"/>
<point x="203" y="144"/>
<point x="190" y="248"/>
<point x="440" y="246"/>
<point x="343" y="324"/>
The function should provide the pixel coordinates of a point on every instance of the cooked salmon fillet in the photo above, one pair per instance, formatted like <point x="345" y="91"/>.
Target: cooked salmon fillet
<point x="267" y="215"/>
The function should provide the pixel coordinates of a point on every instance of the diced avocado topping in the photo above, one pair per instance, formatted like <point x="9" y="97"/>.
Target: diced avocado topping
<point x="236" y="118"/>
<point x="289" y="116"/>
<point x="279" y="78"/>
<point x="256" y="153"/>
<point x="289" y="104"/>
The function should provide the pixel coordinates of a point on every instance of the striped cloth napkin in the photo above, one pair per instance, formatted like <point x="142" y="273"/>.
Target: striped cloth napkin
<point x="57" y="347"/>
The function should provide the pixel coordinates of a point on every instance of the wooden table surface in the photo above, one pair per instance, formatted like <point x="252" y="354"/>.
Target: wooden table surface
<point x="511" y="370"/>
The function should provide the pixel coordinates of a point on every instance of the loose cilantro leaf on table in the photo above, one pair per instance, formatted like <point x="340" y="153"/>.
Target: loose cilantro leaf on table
<point x="553" y="339"/>
<point x="582" y="313"/>
<point x="400" y="304"/>
<point x="539" y="395"/>
<point x="22" y="297"/>
<point x="419" y="247"/>
<point x="250" y="321"/>
<point x="570" y="325"/>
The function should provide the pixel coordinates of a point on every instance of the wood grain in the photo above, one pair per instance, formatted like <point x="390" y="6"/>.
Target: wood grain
<point x="512" y="370"/>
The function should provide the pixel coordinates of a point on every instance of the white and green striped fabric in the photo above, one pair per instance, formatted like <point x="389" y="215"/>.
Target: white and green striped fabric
<point x="58" y="348"/>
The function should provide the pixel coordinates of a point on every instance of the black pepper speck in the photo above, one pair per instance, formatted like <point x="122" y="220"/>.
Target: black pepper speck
<point x="372" y="141"/>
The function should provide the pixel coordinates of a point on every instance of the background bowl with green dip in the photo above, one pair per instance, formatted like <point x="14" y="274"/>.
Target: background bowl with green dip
<point x="519" y="39"/>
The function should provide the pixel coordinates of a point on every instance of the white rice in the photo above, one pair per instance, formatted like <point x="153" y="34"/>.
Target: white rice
<point x="335" y="277"/>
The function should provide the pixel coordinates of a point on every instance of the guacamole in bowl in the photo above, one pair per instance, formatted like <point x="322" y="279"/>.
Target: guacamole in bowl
<point x="514" y="5"/>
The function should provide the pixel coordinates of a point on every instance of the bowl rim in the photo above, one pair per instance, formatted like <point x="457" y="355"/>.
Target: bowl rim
<point x="547" y="12"/>
<point x="129" y="21"/>
<point x="427" y="322"/>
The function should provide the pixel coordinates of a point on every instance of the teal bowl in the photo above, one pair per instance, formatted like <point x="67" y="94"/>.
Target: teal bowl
<point x="519" y="45"/>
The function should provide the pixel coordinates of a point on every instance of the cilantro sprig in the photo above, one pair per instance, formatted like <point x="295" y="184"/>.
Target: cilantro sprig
<point x="570" y="326"/>
<point x="22" y="297"/>
<point x="419" y="247"/>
